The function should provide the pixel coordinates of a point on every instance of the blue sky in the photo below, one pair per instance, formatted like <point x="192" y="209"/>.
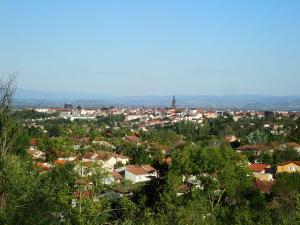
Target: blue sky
<point x="155" y="47"/>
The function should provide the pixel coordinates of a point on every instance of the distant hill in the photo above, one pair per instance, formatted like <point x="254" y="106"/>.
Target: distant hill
<point x="30" y="98"/>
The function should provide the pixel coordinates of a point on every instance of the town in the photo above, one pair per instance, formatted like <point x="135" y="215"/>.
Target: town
<point x="125" y="149"/>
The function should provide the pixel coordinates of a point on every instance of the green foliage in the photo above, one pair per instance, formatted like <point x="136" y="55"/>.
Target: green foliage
<point x="295" y="132"/>
<point x="16" y="182"/>
<point x="257" y="137"/>
<point x="53" y="146"/>
<point x="196" y="211"/>
<point x="192" y="131"/>
<point x="54" y="130"/>
<point x="266" y="157"/>
<point x="110" y="119"/>
<point x="285" y="195"/>
<point x="32" y="115"/>
<point x="119" y="165"/>
<point x="137" y="153"/>
<point x="166" y="137"/>
<point x="285" y="154"/>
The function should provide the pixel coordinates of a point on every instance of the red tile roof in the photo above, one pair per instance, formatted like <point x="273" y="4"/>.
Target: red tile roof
<point x="139" y="170"/>
<point x="43" y="166"/>
<point x="59" y="162"/>
<point x="293" y="145"/>
<point x="258" y="167"/>
<point x="59" y="109"/>
<point x="148" y="168"/>
<point x="132" y="138"/>
<point x="34" y="141"/>
<point x="288" y="162"/>
<point x="116" y="175"/>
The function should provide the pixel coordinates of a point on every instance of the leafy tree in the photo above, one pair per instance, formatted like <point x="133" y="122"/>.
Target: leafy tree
<point x="285" y="154"/>
<point x="197" y="211"/>
<point x="162" y="136"/>
<point x="17" y="181"/>
<point x="110" y="120"/>
<point x="285" y="198"/>
<point x="50" y="199"/>
<point x="138" y="154"/>
<point x="54" y="130"/>
<point x="257" y="137"/>
<point x="32" y="114"/>
<point x="266" y="157"/>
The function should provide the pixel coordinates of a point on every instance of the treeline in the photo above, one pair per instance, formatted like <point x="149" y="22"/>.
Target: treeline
<point x="32" y="114"/>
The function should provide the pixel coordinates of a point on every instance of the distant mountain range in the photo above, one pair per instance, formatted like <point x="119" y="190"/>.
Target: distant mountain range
<point x="30" y="98"/>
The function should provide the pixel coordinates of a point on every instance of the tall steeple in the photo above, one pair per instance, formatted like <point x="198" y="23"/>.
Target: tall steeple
<point x="174" y="102"/>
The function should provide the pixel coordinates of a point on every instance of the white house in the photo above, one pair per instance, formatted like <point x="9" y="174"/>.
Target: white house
<point x="107" y="159"/>
<point x="42" y="110"/>
<point x="137" y="173"/>
<point x="120" y="158"/>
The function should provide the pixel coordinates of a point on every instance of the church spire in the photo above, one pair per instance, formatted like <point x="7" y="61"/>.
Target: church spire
<point x="174" y="102"/>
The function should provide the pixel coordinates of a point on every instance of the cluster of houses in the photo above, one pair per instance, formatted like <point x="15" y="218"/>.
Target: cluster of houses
<point x="118" y="166"/>
<point x="264" y="174"/>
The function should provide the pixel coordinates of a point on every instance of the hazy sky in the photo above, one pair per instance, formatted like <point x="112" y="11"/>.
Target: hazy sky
<point x="144" y="47"/>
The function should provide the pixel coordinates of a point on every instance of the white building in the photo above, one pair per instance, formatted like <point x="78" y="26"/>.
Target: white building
<point x="42" y="110"/>
<point x="107" y="159"/>
<point x="137" y="173"/>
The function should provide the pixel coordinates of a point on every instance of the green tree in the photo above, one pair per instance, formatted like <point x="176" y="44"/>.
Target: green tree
<point x="257" y="137"/>
<point x="285" y="198"/>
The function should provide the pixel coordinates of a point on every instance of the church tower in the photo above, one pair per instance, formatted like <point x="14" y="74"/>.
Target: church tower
<point x="174" y="102"/>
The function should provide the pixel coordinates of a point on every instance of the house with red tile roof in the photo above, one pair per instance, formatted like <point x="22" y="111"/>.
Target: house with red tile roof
<point x="289" y="167"/>
<point x="107" y="159"/>
<point x="138" y="173"/>
<point x="132" y="138"/>
<point x="261" y="171"/>
<point x="255" y="148"/>
<point x="259" y="167"/>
